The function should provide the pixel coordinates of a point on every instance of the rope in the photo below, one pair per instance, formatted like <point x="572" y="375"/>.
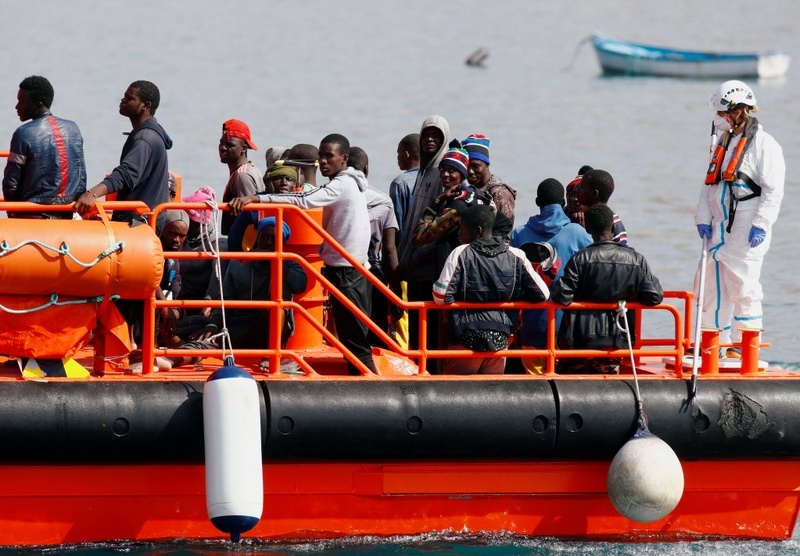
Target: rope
<point x="63" y="250"/>
<point x="622" y="312"/>
<point x="54" y="302"/>
<point x="216" y="217"/>
<point x="582" y="42"/>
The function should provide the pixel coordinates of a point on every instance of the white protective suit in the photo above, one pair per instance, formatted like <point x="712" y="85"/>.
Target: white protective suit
<point x="732" y="294"/>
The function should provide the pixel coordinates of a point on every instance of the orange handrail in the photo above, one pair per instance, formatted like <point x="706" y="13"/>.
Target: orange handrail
<point x="675" y="346"/>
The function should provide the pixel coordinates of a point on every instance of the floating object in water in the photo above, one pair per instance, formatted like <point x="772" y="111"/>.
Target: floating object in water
<point x="232" y="433"/>
<point x="645" y="480"/>
<point x="477" y="57"/>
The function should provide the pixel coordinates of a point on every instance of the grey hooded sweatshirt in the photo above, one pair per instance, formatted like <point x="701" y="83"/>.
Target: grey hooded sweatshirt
<point x="344" y="213"/>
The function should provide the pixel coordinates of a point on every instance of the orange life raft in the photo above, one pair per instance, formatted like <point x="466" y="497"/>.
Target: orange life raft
<point x="57" y="276"/>
<point x="82" y="258"/>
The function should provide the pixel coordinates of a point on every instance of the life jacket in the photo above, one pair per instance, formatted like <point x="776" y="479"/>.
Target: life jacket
<point x="731" y="173"/>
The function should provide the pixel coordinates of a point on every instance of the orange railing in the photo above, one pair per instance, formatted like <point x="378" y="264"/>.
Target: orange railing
<point x="672" y="347"/>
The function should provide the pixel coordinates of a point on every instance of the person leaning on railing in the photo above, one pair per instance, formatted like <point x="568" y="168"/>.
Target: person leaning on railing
<point x="603" y="272"/>
<point x="484" y="269"/>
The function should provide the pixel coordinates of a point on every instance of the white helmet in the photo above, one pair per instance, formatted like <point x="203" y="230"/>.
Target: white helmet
<point x="729" y="94"/>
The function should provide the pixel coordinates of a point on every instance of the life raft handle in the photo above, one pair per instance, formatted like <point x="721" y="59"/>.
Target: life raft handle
<point x="55" y="301"/>
<point x="62" y="250"/>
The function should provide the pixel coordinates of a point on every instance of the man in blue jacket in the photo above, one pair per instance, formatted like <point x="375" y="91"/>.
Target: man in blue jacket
<point x="45" y="161"/>
<point x="553" y="227"/>
<point x="142" y="174"/>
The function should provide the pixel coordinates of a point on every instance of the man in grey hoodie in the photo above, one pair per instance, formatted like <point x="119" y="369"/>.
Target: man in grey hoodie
<point x="345" y="217"/>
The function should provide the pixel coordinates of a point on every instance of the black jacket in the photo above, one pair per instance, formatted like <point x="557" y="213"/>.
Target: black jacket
<point x="602" y="272"/>
<point x="142" y="174"/>
<point x="487" y="270"/>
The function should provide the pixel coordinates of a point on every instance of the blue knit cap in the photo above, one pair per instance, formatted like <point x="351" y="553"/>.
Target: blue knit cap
<point x="477" y="146"/>
<point x="270" y="221"/>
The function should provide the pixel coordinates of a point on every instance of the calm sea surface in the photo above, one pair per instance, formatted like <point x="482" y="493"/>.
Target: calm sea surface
<point x="298" y="70"/>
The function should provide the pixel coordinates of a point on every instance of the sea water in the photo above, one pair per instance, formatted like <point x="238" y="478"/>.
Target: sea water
<point x="373" y="71"/>
<point x="427" y="545"/>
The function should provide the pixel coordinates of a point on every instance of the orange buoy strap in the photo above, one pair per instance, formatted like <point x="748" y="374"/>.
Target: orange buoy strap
<point x="111" y="237"/>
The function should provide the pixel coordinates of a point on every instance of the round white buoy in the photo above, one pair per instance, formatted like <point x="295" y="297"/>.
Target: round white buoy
<point x="232" y="433"/>
<point x="645" y="480"/>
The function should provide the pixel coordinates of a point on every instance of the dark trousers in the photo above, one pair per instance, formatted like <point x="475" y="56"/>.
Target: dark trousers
<point x="352" y="331"/>
<point x="380" y="309"/>
<point x="423" y="291"/>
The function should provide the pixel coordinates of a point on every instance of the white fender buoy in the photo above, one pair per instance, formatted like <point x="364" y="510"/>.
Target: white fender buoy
<point x="645" y="480"/>
<point x="232" y="433"/>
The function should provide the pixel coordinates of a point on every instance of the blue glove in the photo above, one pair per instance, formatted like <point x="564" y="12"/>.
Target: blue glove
<point x="704" y="230"/>
<point x="757" y="236"/>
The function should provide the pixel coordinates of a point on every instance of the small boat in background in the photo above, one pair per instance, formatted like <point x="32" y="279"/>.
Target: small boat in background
<point x="477" y="57"/>
<point x="627" y="58"/>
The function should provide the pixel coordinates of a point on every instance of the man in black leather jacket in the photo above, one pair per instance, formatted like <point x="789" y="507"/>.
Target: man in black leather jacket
<point x="45" y="162"/>
<point x="602" y="272"/>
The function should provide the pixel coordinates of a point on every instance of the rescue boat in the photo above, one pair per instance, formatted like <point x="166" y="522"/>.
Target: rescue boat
<point x="111" y="455"/>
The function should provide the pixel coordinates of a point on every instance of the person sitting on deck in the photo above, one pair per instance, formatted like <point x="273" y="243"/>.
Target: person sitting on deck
<point x="484" y="269"/>
<point x="604" y="272"/>
<point x="199" y="279"/>
<point x="172" y="226"/>
<point x="250" y="280"/>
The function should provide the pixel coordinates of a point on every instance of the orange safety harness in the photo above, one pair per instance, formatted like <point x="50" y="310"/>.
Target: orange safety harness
<point x="731" y="172"/>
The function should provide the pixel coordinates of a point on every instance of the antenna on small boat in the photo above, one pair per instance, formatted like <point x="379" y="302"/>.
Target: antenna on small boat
<point x="582" y="42"/>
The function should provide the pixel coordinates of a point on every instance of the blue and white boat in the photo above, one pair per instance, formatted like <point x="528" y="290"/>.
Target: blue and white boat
<point x="627" y="58"/>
